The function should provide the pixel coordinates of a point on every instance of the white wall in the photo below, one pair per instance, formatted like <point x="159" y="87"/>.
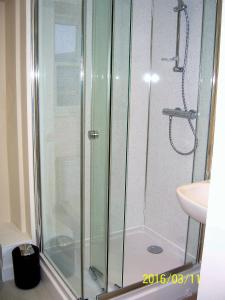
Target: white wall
<point x="166" y="169"/>
<point x="4" y="180"/>
<point x="138" y="119"/>
<point x="13" y="126"/>
<point x="11" y="95"/>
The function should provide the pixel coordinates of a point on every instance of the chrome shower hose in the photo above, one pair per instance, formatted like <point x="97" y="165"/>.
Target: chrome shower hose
<point x="183" y="94"/>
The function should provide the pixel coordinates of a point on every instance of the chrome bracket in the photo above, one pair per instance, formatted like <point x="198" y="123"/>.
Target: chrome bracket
<point x="178" y="69"/>
<point x="181" y="6"/>
<point x="168" y="59"/>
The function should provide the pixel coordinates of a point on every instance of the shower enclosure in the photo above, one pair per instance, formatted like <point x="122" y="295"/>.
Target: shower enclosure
<point x="120" y="85"/>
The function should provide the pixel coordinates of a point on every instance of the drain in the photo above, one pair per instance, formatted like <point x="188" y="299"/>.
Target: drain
<point x="155" y="249"/>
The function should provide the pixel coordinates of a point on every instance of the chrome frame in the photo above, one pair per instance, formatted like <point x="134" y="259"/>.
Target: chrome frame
<point x="127" y="141"/>
<point x="35" y="120"/>
<point x="82" y="142"/>
<point x="149" y="105"/>
<point x="214" y="89"/>
<point x="109" y="129"/>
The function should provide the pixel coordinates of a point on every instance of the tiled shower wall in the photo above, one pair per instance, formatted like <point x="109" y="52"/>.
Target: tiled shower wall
<point x="138" y="116"/>
<point x="159" y="209"/>
<point x="166" y="169"/>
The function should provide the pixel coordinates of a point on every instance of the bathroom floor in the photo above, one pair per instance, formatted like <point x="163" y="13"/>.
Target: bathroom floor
<point x="8" y="291"/>
<point x="137" y="261"/>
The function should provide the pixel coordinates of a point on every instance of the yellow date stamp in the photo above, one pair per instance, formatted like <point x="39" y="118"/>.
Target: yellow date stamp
<point x="170" y="278"/>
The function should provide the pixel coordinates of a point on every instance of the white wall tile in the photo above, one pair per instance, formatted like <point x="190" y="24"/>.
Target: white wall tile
<point x="166" y="169"/>
<point x="138" y="122"/>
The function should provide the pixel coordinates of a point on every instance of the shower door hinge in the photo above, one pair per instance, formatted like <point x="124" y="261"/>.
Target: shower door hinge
<point x="93" y="134"/>
<point x="95" y="273"/>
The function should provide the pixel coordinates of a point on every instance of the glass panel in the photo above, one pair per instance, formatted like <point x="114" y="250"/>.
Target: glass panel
<point x="204" y="105"/>
<point x="60" y="40"/>
<point x="100" y="146"/>
<point x="118" y="143"/>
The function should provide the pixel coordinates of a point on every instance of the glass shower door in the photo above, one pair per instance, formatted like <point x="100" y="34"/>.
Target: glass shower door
<point x="60" y="25"/>
<point x="60" y="101"/>
<point x="110" y="97"/>
<point x="99" y="138"/>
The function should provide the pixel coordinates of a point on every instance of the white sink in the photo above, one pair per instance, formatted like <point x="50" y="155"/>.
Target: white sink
<point x="193" y="199"/>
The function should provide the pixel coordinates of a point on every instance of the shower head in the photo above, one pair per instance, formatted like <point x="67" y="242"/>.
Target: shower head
<point x="181" y="6"/>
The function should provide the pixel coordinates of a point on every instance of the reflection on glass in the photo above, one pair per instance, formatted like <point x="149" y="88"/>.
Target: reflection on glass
<point x="65" y="39"/>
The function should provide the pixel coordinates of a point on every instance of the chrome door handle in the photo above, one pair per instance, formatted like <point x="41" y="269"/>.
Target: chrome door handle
<point x="93" y="134"/>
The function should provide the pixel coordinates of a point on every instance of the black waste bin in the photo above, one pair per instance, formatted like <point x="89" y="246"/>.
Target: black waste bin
<point x="26" y="265"/>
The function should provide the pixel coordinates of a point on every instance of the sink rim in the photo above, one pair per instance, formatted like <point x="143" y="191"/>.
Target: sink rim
<point x="190" y="203"/>
<point x="192" y="185"/>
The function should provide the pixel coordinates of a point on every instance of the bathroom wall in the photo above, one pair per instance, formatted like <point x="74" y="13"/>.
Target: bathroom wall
<point x="22" y="116"/>
<point x="14" y="169"/>
<point x="138" y="115"/>
<point x="166" y="170"/>
<point x="12" y="112"/>
<point x="4" y="183"/>
<point x="154" y="169"/>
